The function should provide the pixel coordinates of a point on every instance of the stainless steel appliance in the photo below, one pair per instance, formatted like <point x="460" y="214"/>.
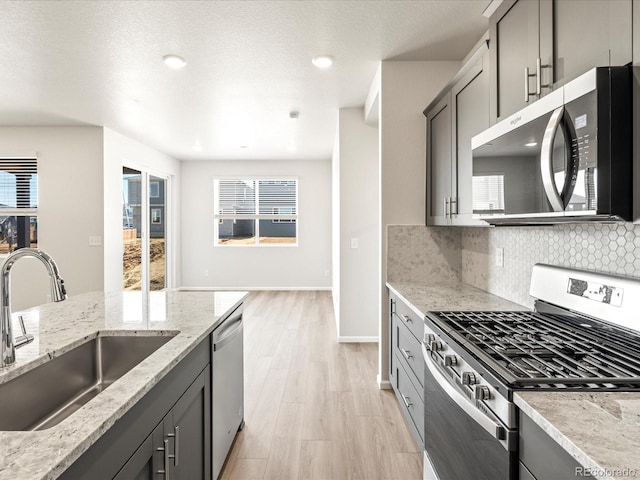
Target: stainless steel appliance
<point x="583" y="335"/>
<point x="227" y="385"/>
<point x="567" y="156"/>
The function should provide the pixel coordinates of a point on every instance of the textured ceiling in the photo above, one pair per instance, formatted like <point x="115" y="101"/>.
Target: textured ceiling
<point x="249" y="64"/>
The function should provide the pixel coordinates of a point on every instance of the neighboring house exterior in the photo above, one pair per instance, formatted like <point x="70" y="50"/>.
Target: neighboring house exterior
<point x="131" y="214"/>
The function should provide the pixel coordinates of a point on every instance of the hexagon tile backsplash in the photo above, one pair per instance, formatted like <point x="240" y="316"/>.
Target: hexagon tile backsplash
<point x="604" y="247"/>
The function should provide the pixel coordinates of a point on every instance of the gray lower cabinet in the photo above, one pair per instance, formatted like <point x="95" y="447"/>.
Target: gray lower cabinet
<point x="406" y="365"/>
<point x="542" y="458"/>
<point x="167" y="434"/>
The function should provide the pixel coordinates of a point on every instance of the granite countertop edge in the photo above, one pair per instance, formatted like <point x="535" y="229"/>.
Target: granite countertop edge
<point x="190" y="315"/>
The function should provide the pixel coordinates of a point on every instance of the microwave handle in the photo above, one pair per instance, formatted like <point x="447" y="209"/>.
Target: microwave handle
<point x="546" y="160"/>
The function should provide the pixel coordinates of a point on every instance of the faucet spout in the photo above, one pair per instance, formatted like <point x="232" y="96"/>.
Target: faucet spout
<point x="58" y="294"/>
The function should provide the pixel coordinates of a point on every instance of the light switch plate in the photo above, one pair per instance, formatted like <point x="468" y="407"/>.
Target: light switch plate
<point x="499" y="257"/>
<point x="95" y="241"/>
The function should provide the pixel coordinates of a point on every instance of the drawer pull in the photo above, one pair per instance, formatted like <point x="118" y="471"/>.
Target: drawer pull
<point x="406" y="318"/>
<point x="406" y="401"/>
<point x="165" y="472"/>
<point x="406" y="353"/>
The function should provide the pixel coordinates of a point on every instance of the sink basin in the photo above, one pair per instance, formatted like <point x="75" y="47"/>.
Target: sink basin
<point x="44" y="396"/>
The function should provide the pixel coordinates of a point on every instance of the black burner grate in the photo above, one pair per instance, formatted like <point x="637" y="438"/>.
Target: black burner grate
<point x="530" y="349"/>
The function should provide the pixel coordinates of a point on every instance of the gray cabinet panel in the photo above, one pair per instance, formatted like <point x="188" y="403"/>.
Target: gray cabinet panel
<point x="438" y="160"/>
<point x="516" y="34"/>
<point x="191" y="429"/>
<point x="146" y="462"/>
<point x="590" y="33"/>
<point x="542" y="456"/>
<point x="471" y="112"/>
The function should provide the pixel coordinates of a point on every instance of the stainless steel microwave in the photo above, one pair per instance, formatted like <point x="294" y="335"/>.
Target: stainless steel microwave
<point x="566" y="157"/>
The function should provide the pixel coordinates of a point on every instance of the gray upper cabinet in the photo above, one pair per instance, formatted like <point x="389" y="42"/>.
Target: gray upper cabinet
<point x="590" y="33"/>
<point x="470" y="102"/>
<point x="519" y="32"/>
<point x="539" y="44"/>
<point x="458" y="114"/>
<point x="439" y="171"/>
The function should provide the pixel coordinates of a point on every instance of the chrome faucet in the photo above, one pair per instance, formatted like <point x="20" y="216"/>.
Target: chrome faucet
<point x="58" y="293"/>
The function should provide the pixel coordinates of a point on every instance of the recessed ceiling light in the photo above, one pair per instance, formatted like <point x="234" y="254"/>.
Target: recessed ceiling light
<point x="294" y="115"/>
<point x="174" y="61"/>
<point x="197" y="147"/>
<point x="531" y="144"/>
<point x="244" y="146"/>
<point x="291" y="147"/>
<point x="322" y="61"/>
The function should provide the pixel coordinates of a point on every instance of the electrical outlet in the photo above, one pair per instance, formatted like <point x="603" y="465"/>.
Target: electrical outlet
<point x="206" y="273"/>
<point x="354" y="243"/>
<point x="326" y="272"/>
<point x="499" y="257"/>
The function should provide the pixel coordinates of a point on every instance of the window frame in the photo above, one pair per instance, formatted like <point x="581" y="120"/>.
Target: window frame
<point x="30" y="164"/>
<point x="256" y="217"/>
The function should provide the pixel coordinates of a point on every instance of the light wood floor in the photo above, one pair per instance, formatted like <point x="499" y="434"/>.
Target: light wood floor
<point x="312" y="406"/>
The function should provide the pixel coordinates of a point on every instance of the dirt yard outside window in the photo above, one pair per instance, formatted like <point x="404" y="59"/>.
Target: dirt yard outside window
<point x="132" y="264"/>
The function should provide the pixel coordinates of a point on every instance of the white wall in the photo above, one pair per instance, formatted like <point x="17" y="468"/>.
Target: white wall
<point x="243" y="267"/>
<point x="118" y="151"/>
<point x="355" y="166"/>
<point x="406" y="90"/>
<point x="70" y="208"/>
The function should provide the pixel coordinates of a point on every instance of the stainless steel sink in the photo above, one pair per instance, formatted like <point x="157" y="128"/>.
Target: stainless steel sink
<point x="46" y="395"/>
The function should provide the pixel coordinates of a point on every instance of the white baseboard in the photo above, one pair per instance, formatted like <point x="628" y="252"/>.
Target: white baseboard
<point x="358" y="339"/>
<point x="250" y="289"/>
<point x="383" y="384"/>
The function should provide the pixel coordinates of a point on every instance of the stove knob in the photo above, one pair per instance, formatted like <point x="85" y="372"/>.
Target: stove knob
<point x="435" y="346"/>
<point x="428" y="338"/>
<point x="450" y="360"/>
<point x="469" y="378"/>
<point x="482" y="392"/>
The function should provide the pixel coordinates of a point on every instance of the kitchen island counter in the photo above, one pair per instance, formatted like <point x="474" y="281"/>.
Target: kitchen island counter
<point x="59" y="327"/>
<point x="600" y="430"/>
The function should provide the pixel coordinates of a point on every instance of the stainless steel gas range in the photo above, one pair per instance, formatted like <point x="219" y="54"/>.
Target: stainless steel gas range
<point x="583" y="335"/>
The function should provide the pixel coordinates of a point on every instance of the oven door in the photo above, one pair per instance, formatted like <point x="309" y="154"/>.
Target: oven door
<point x="462" y="441"/>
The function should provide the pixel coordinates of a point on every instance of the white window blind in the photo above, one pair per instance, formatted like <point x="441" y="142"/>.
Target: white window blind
<point x="18" y="184"/>
<point x="488" y="193"/>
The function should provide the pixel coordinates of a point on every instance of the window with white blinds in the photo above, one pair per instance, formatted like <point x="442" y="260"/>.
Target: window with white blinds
<point x="18" y="203"/>
<point x="488" y="194"/>
<point x="253" y="211"/>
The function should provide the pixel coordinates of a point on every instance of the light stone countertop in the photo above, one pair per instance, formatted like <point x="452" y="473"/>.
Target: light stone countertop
<point x="450" y="296"/>
<point x="600" y="430"/>
<point x="58" y="327"/>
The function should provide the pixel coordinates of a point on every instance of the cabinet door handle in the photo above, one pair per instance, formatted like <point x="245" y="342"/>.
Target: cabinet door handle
<point x="527" y="75"/>
<point x="165" y="449"/>
<point x="539" y="85"/>
<point x="453" y="201"/>
<point x="406" y="353"/>
<point x="176" y="444"/>
<point x="406" y="401"/>
<point x="406" y="318"/>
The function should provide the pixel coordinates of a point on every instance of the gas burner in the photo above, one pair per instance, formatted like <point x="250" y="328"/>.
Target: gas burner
<point x="530" y="367"/>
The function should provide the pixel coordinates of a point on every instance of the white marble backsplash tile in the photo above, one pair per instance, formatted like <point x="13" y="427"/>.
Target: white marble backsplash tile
<point x="419" y="254"/>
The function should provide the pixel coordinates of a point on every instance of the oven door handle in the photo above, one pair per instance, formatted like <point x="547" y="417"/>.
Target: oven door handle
<point x="494" y="429"/>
